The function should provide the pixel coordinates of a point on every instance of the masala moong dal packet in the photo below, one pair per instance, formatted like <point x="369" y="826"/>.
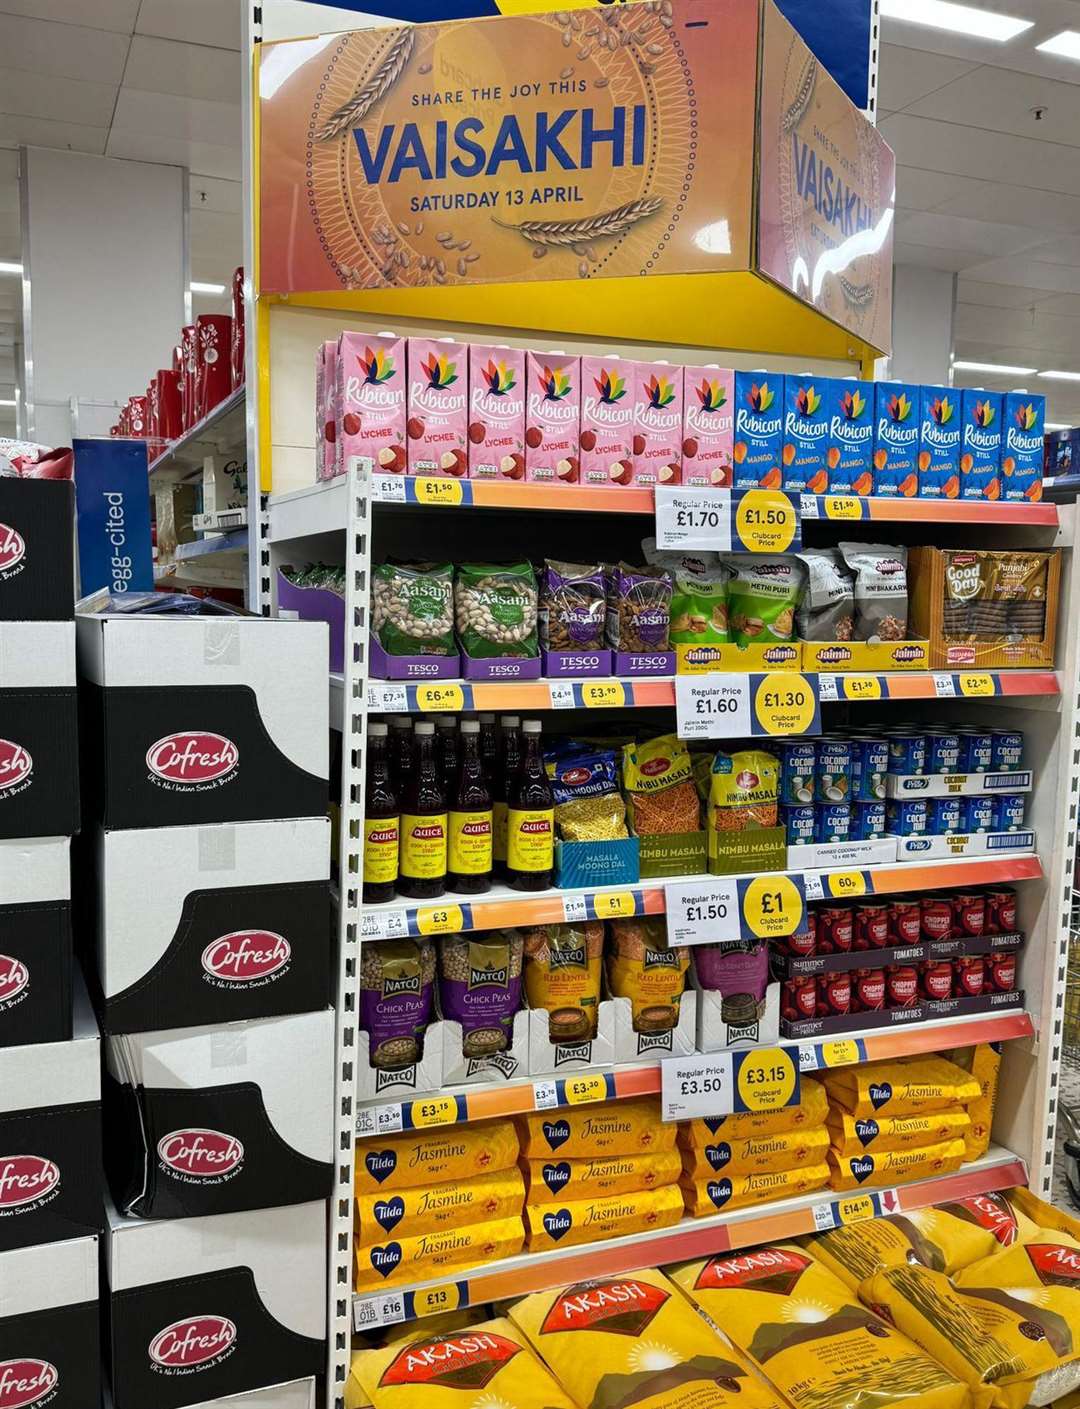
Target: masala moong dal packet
<point x="910" y="1086"/>
<point x="852" y="1135"/>
<point x="589" y="1132"/>
<point x="867" y="1171"/>
<point x="550" y="1179"/>
<point x="427" y="1255"/>
<point x="811" y="1111"/>
<point x="419" y="1158"/>
<point x="567" y="1222"/>
<point x="407" y="1213"/>
<point x="757" y="1154"/>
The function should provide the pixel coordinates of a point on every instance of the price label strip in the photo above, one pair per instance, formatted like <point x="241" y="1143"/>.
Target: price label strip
<point x="729" y="909"/>
<point x="845" y="885"/>
<point x="841" y="1052"/>
<point x="416" y="921"/>
<point x="761" y="1079"/>
<point x="384" y="924"/>
<point x="833" y="506"/>
<point x="421" y="489"/>
<point x="721" y="706"/>
<point x="427" y="1111"/>
<point x="754" y="520"/>
<point x="856" y="1208"/>
<point x="392" y="1308"/>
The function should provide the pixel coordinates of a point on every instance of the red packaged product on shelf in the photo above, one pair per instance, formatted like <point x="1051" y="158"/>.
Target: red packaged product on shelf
<point x="213" y="369"/>
<point x="968" y="914"/>
<point x="905" y="920"/>
<point x="497" y="394"/>
<point x="804" y="943"/>
<point x="999" y="973"/>
<point x="867" y="990"/>
<point x="167" y="385"/>
<point x="833" y="995"/>
<point x="968" y="973"/>
<point x="871" y="925"/>
<point x="935" y="913"/>
<point x="799" y="999"/>
<point x="236" y="350"/>
<point x="835" y="929"/>
<point x="901" y="986"/>
<point x="936" y="979"/>
<point x="189" y="358"/>
<point x="1000" y="911"/>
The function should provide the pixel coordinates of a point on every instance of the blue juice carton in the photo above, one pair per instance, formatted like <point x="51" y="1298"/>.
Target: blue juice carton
<point x="849" y="450"/>
<point x="906" y="817"/>
<point x="896" y="440"/>
<point x="800" y="823"/>
<point x="806" y="434"/>
<point x="867" y="821"/>
<point x="944" y="815"/>
<point x="978" y="814"/>
<point x="797" y="759"/>
<point x="759" y="425"/>
<point x="980" y="445"/>
<point x="1006" y="750"/>
<point x="1023" y="426"/>
<point x="939" y="443"/>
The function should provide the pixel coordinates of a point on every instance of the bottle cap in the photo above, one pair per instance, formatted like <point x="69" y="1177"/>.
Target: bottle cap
<point x="377" y="731"/>
<point x="487" y="719"/>
<point x="531" y="726"/>
<point x="470" y="726"/>
<point x="424" y="727"/>
<point x="400" y="721"/>
<point x="446" y="721"/>
<point x="509" y="721"/>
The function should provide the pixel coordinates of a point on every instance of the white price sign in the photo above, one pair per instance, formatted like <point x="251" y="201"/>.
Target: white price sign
<point x="814" y="888"/>
<point x="372" y="1311"/>
<point x="703" y="912"/>
<point x="712" y="706"/>
<point x="693" y="518"/>
<point x="827" y="688"/>
<point x="386" y="697"/>
<point x="696" y="1086"/>
<point x="824" y="1219"/>
<point x="384" y="924"/>
<point x="562" y="695"/>
<point x="575" y="909"/>
<point x="388" y="489"/>
<point x="944" y="687"/>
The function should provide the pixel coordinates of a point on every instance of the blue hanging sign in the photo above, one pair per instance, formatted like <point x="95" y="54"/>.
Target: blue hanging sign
<point x="112" y="506"/>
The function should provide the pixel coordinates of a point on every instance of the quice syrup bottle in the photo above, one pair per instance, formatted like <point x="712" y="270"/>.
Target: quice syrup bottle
<point x="381" y="821"/>
<point x="530" y="818"/>
<point x="508" y="761"/>
<point x="422" y="868"/>
<point x="469" y="846"/>
<point x="401" y="751"/>
<point x="446" y="751"/>
<point x="489" y="747"/>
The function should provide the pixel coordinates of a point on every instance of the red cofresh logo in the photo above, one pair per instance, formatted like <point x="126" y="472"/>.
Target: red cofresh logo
<point x="12" y="549"/>
<point x="246" y="955"/>
<point x="26" y="1179"/>
<point x="201" y="1154"/>
<point x="14" y="977"/>
<point x="194" y="1343"/>
<point x="16" y="765"/>
<point x="192" y="757"/>
<point x="24" y="1382"/>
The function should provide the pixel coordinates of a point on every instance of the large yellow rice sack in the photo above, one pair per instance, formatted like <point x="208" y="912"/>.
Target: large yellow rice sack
<point x="851" y="1135"/>
<point x="984" y="1063"/>
<point x="868" y="1171"/>
<point x="549" y="1179"/>
<point x="809" y="1335"/>
<point x="429" y="1254"/>
<point x="430" y="1326"/>
<point x="564" y="1223"/>
<point x="419" y="1158"/>
<point x="485" y="1365"/>
<point x="708" y="1196"/>
<point x="811" y="1111"/>
<point x="407" y="1213"/>
<point x="758" y="1154"/>
<point x="909" y="1086"/>
<point x="589" y="1132"/>
<point x="633" y="1340"/>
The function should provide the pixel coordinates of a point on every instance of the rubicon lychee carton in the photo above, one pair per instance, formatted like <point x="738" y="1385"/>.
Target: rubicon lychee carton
<point x="370" y="402"/>
<point x="325" y="417"/>
<point x="980" y="444"/>
<point x="939" y="443"/>
<point x="896" y="440"/>
<point x="658" y="420"/>
<point x="607" y="421"/>
<point x="552" y="418"/>
<point x="708" y="425"/>
<point x="438" y="407"/>
<point x="849" y="452"/>
<point x="806" y="434"/>
<point x="759" y="425"/>
<point x="1023" y="430"/>
<point x="496" y="412"/>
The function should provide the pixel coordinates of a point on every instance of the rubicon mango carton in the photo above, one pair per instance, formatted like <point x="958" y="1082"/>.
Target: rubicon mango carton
<point x="806" y="434"/>
<point x="552" y="417"/>
<point x="980" y="445"/>
<point x="607" y="420"/>
<point x="939" y="443"/>
<point x="896" y="440"/>
<point x="369" y="402"/>
<point x="496" y="412"/>
<point x="438" y="407"/>
<point x="1023" y="427"/>
<point x="759" y="425"/>
<point x="849" y="450"/>
<point x="708" y="425"/>
<point x="658" y="422"/>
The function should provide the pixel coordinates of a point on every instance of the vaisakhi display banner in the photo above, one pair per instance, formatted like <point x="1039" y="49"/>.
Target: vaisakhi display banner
<point x="569" y="145"/>
<point x="826" y="191"/>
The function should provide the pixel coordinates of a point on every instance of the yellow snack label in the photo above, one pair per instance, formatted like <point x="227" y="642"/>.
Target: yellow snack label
<point x="439" y="919"/>
<point x="434" y="1110"/>
<point x="840" y="1052"/>
<point x="381" y="851"/>
<point x="772" y="906"/>
<point x="587" y="1220"/>
<point x="840" y="507"/>
<point x="862" y="687"/>
<point x="724" y="1191"/>
<point x="894" y="1166"/>
<point x="470" y="843"/>
<point x="423" y="846"/>
<point x="417" y="1159"/>
<point x="530" y="839"/>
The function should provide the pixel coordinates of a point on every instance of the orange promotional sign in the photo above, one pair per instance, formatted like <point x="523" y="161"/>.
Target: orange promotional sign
<point x="577" y="144"/>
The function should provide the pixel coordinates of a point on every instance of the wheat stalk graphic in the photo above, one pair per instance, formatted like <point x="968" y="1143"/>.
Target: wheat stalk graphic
<point x="372" y="89"/>
<point x="606" y="225"/>
<point x="801" y="102"/>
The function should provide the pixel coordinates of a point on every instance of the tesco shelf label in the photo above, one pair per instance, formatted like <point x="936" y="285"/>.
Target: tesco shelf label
<point x="725" y="706"/>
<point x="721" y="1083"/>
<point x="755" y="520"/>
<point x="703" y="912"/>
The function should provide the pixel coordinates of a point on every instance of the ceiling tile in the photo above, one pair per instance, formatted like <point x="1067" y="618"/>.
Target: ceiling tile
<point x="216" y="22"/>
<point x="1003" y="102"/>
<point x="63" y="50"/>
<point x="38" y="132"/>
<point x="1065" y="305"/>
<point x="181" y="119"/>
<point x="970" y="151"/>
<point x="996" y="295"/>
<point x="1063" y="249"/>
<point x="196" y="156"/>
<point x="989" y="200"/>
<point x="213" y="230"/>
<point x="931" y="258"/>
<point x="917" y="189"/>
<point x="187" y="70"/>
<point x="116" y="15"/>
<point x="953" y="232"/>
<point x="210" y="193"/>
<point x="73" y="100"/>
<point x="906" y="75"/>
<point x="1023" y="269"/>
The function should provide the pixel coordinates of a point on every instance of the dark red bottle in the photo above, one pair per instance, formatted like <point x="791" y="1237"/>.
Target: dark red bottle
<point x="530" y="818"/>
<point x="422" y="868"/>
<point x="469" y="839"/>
<point x="381" y="821"/>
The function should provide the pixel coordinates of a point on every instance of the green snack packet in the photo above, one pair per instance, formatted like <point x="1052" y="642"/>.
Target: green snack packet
<point x="699" y="608"/>
<point x="495" y="607"/>
<point x="763" y="597"/>
<point x="412" y="608"/>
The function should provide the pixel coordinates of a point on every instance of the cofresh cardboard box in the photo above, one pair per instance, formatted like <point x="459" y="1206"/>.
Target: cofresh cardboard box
<point x="36" y="561"/>
<point x="39" y="784"/>
<point x="658" y="419"/>
<point x="193" y="720"/>
<point x="208" y="1120"/>
<point x="708" y="425"/>
<point x="297" y="1394"/>
<point x="367" y="375"/>
<point x="196" y="925"/>
<point x="438" y="407"/>
<point x="806" y="434"/>
<point x="496" y="412"/>
<point x="1024" y="431"/>
<point x="759" y="425"/>
<point x="939" y="443"/>
<point x="35" y="941"/>
<point x="607" y="421"/>
<point x="980" y="445"/>
<point x="201" y="1308"/>
<point x="849" y="451"/>
<point x="50" y="1346"/>
<point x="552" y="417"/>
<point x="896" y="440"/>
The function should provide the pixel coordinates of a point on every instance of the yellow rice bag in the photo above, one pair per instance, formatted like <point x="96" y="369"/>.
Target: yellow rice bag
<point x="356" y="1396"/>
<point x="488" y="1364"/>
<point x="589" y="1132"/>
<point x="811" y="1110"/>
<point x="440" y="1325"/>
<point x="563" y="1224"/>
<point x="429" y="1254"/>
<point x="867" y="1171"/>
<point x="984" y="1063"/>
<point x="910" y="1086"/>
<point x="633" y="1340"/>
<point x="418" y="1158"/>
<point x="851" y="1134"/>
<point x="809" y="1335"/>
<point x="758" y="1154"/>
<point x="485" y="1198"/>
<point x="706" y="1196"/>
<point x="549" y="1179"/>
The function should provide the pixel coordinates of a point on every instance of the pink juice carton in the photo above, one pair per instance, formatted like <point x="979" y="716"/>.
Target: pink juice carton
<point x="896" y="440"/>
<point x="1024" y="428"/>
<point x="939" y="443"/>
<point x="607" y="420"/>
<point x="438" y="421"/>
<point x="496" y="412"/>
<point x="806" y="434"/>
<point x="708" y="425"/>
<point x="759" y="425"/>
<point x="849" y="453"/>
<point x="325" y="424"/>
<point x="658" y="421"/>
<point x="369" y="402"/>
<point x="552" y="417"/>
<point x="980" y="444"/>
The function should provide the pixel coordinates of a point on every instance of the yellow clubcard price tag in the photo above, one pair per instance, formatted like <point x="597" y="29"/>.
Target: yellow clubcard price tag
<point x="439" y="491"/>
<point x="855" y="1209"/>
<point x="862" y="687"/>
<point x="845" y="884"/>
<point x="432" y="1301"/>
<point x="784" y="703"/>
<point x="841" y="1052"/>
<point x="584" y="1090"/>
<point x="434" y="699"/>
<point x="610" y="907"/>
<point x="977" y="685"/>
<point x="766" y="1079"/>
<point x="765" y="521"/>
<point x="603" y="694"/>
<point x="434" y="1110"/>
<point x="772" y="907"/>
<point x="840" y="506"/>
<point x="439" y="919"/>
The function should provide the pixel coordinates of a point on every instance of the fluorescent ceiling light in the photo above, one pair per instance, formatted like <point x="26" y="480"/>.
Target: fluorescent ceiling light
<point x="961" y="19"/>
<point x="8" y="403"/>
<point x="7" y="267"/>
<point x="1000" y="368"/>
<point x="1066" y="45"/>
<point x="197" y="288"/>
<point x="1062" y="376"/>
<point x="1058" y="426"/>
